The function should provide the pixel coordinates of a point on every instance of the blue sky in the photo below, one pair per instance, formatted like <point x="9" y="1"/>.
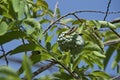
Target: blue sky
<point x="67" y="6"/>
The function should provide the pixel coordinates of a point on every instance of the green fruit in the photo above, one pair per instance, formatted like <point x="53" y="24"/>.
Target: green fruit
<point x="73" y="42"/>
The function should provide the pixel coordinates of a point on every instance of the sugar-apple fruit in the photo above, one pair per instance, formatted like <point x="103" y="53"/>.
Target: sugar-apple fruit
<point x="72" y="42"/>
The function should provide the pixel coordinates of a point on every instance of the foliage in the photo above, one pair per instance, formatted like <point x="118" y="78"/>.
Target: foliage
<point x="25" y="20"/>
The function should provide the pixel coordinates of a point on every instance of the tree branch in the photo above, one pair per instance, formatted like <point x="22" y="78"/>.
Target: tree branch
<point x="81" y="11"/>
<point x="108" y="6"/>
<point x="108" y="43"/>
<point x="115" y="21"/>
<point x="43" y="68"/>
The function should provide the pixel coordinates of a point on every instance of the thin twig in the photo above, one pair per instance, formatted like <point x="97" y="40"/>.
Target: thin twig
<point x="5" y="54"/>
<point x="77" y="18"/>
<point x="108" y="6"/>
<point x="81" y="11"/>
<point x="107" y="11"/>
<point x="116" y="77"/>
<point x="6" y="60"/>
<point x="108" y="43"/>
<point x="43" y="68"/>
<point x="115" y="21"/>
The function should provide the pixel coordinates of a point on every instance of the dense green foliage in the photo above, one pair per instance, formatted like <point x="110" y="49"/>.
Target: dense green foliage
<point x="27" y="20"/>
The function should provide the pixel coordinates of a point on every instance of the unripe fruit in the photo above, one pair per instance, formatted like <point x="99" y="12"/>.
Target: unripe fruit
<point x="72" y="42"/>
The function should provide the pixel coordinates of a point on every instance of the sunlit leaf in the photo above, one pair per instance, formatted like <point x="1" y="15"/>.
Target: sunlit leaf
<point x="48" y="38"/>
<point x="92" y="47"/>
<point x="55" y="47"/>
<point x="106" y="24"/>
<point x="78" y="22"/>
<point x="21" y="9"/>
<point x="41" y="3"/>
<point x="66" y="58"/>
<point x="98" y="54"/>
<point x="77" y="61"/>
<point x="96" y="23"/>
<point x="112" y="36"/>
<point x="16" y="5"/>
<point x="64" y="21"/>
<point x="3" y="28"/>
<point x="61" y="30"/>
<point x="100" y="74"/>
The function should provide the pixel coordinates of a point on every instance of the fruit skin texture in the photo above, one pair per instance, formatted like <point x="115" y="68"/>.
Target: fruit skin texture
<point x="72" y="42"/>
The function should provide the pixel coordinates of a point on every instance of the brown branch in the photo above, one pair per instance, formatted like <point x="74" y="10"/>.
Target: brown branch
<point x="77" y="18"/>
<point x="108" y="43"/>
<point x="81" y="11"/>
<point x="43" y="68"/>
<point x="116" y="78"/>
<point x="115" y="21"/>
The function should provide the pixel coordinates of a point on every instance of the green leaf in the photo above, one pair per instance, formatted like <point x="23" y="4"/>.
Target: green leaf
<point x="111" y="37"/>
<point x="48" y="46"/>
<point x="27" y="68"/>
<point x="96" y="53"/>
<point x="8" y="74"/>
<point x="77" y="61"/>
<point x="53" y="28"/>
<point x="21" y="9"/>
<point x="65" y="21"/>
<point x="43" y="21"/>
<point x="107" y="24"/>
<point x="16" y="5"/>
<point x="3" y="28"/>
<point x="59" y="31"/>
<point x="11" y="36"/>
<point x="27" y="47"/>
<point x="33" y="23"/>
<point x="66" y="58"/>
<point x="45" y="56"/>
<point x="100" y="74"/>
<point x="55" y="47"/>
<point x="78" y="22"/>
<point x="92" y="47"/>
<point x="116" y="61"/>
<point x="96" y="23"/>
<point x="58" y="13"/>
<point x="108" y="55"/>
<point x="63" y="76"/>
<point x="42" y="3"/>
